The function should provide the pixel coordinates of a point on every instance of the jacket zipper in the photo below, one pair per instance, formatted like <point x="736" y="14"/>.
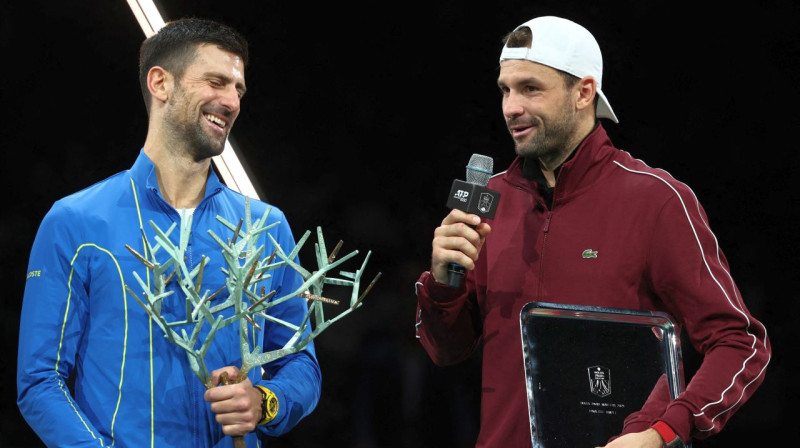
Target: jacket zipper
<point x="544" y="246"/>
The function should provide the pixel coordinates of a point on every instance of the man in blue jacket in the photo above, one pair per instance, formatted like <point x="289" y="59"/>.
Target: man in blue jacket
<point x="93" y="368"/>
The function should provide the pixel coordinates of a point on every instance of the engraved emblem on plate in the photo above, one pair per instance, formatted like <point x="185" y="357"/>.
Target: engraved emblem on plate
<point x="600" y="380"/>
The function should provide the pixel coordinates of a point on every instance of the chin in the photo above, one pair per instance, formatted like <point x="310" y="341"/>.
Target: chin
<point x="524" y="150"/>
<point x="207" y="151"/>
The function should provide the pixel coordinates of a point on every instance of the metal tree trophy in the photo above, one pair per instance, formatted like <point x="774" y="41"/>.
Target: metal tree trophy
<point x="244" y="297"/>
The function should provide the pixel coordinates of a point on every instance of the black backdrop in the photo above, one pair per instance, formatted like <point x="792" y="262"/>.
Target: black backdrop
<point x="359" y="117"/>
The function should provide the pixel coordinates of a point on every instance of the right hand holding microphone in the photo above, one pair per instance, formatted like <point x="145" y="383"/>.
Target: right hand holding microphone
<point x="458" y="239"/>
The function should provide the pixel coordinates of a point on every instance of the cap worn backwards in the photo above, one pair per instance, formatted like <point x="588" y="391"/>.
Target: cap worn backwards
<point x="564" y="45"/>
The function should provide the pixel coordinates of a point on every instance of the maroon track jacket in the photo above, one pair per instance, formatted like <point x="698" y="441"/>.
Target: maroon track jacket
<point x="654" y="251"/>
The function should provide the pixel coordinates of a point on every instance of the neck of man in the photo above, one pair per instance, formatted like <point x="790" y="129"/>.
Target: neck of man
<point x="549" y="165"/>
<point x="181" y="179"/>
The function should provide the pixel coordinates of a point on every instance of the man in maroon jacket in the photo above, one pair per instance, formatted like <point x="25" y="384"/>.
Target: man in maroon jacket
<point x="568" y="190"/>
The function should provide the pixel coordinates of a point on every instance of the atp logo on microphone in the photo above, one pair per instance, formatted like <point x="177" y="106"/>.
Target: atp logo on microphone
<point x="473" y="198"/>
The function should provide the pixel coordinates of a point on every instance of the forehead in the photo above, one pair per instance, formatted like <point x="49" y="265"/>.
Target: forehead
<point x="518" y="70"/>
<point x="211" y="58"/>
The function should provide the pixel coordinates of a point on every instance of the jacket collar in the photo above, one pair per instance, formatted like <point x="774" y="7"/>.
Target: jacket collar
<point x="577" y="173"/>
<point x="143" y="173"/>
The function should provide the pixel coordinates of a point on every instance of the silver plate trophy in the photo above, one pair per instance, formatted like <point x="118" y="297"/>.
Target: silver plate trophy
<point x="588" y="368"/>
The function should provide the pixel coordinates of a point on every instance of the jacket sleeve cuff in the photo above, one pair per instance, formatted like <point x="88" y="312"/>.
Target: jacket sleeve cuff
<point x="680" y="420"/>
<point x="439" y="292"/>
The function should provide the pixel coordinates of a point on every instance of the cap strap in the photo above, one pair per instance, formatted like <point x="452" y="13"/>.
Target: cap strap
<point x="514" y="53"/>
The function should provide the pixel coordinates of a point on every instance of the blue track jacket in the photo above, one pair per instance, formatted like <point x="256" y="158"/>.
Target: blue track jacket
<point x="94" y="370"/>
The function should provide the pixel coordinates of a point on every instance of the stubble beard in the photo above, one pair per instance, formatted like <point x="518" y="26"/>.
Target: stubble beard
<point x="552" y="135"/>
<point x="188" y="132"/>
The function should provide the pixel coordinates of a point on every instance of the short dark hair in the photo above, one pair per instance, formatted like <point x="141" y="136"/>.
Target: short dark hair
<point x="175" y="45"/>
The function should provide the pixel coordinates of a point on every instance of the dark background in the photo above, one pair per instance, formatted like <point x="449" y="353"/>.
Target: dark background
<point x="359" y="117"/>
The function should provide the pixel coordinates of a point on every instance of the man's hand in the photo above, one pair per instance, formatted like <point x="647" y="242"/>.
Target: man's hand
<point x="459" y="240"/>
<point x="648" y="438"/>
<point x="237" y="405"/>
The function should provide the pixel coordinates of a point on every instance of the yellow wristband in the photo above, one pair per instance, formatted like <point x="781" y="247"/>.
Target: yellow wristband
<point x="269" y="405"/>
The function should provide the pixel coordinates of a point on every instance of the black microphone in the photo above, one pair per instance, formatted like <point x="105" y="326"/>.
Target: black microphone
<point x="473" y="197"/>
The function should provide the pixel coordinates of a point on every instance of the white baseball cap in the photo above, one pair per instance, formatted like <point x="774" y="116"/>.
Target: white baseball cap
<point x="566" y="46"/>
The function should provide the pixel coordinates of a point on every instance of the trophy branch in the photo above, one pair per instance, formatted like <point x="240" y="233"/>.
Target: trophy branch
<point x="247" y="300"/>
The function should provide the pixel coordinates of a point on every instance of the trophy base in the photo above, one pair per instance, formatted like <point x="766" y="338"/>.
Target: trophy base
<point x="588" y="368"/>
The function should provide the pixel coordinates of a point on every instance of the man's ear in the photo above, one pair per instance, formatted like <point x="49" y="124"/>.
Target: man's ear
<point x="160" y="83"/>
<point x="587" y="90"/>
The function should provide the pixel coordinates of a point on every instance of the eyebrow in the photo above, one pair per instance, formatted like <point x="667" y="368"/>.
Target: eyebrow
<point x="521" y="81"/>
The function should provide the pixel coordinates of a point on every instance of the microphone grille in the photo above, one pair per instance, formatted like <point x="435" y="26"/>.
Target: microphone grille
<point x="479" y="169"/>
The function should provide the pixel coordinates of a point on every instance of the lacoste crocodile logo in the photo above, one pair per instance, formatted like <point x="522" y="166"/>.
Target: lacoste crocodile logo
<point x="589" y="253"/>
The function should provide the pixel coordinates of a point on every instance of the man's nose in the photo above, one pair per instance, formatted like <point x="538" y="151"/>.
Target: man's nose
<point x="512" y="104"/>
<point x="230" y="99"/>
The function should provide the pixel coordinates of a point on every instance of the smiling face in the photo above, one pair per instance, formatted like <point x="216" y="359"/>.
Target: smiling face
<point x="205" y="102"/>
<point x="539" y="109"/>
